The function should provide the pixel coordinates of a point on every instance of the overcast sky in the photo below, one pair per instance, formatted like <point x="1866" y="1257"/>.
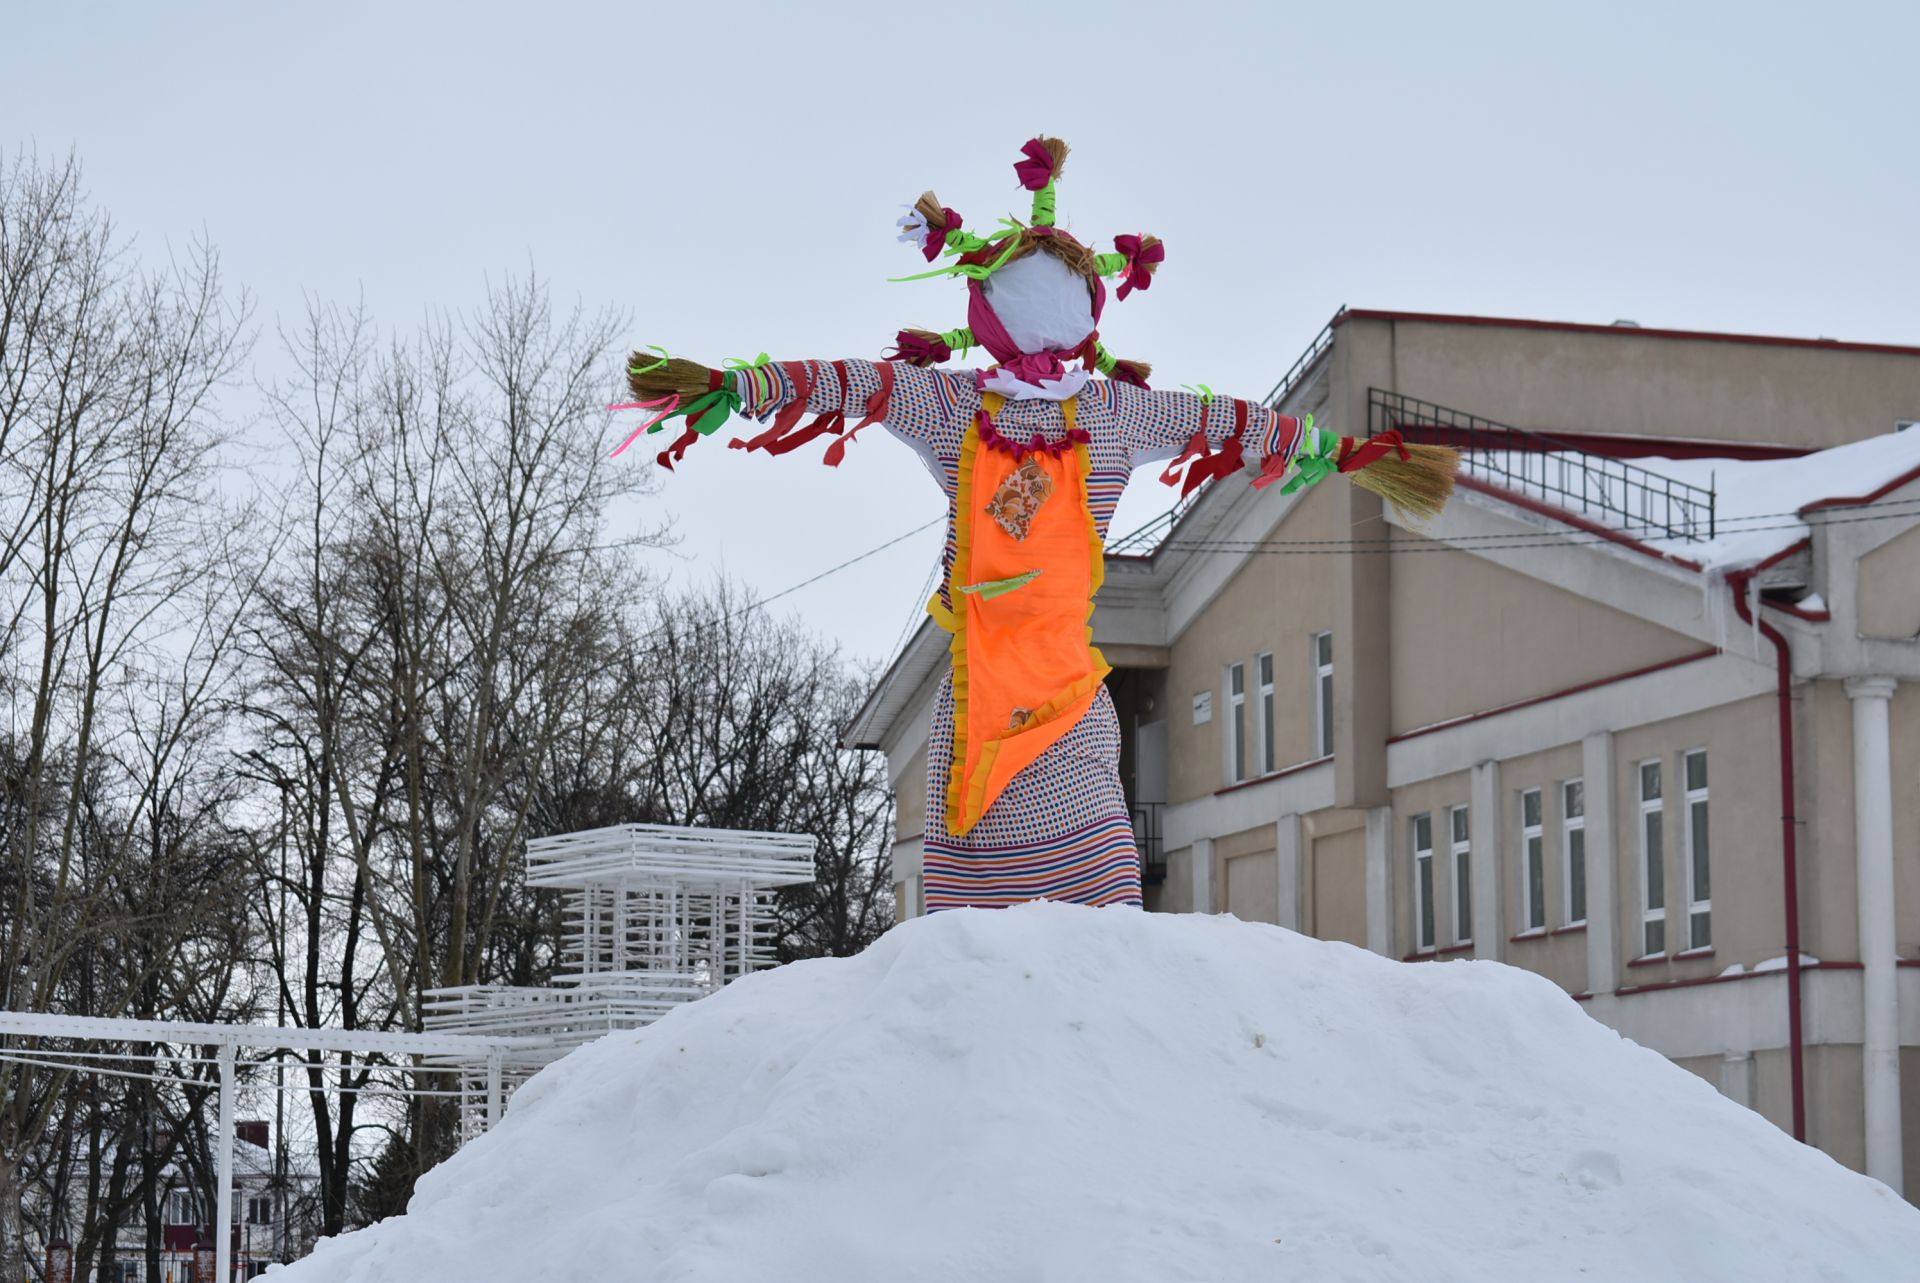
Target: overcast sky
<point x="729" y="174"/>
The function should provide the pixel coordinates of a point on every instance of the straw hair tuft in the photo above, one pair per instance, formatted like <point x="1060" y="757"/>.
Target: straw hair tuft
<point x="930" y="208"/>
<point x="1056" y="148"/>
<point x="688" y="378"/>
<point x="1419" y="485"/>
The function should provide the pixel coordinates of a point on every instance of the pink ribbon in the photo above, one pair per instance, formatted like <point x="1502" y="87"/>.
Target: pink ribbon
<point x="666" y="405"/>
<point x="1138" y="274"/>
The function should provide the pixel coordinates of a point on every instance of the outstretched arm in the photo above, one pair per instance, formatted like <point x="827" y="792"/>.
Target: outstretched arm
<point x="1208" y="435"/>
<point x="1214" y="436"/>
<point x="845" y="396"/>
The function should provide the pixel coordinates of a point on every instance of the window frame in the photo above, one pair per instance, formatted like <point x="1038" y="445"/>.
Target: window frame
<point x="1235" y="722"/>
<point x="1460" y="848"/>
<point x="1570" y="826"/>
<point x="1269" y="729"/>
<point x="1425" y="910"/>
<point x="1697" y="908"/>
<point x="1322" y="694"/>
<point x="1651" y="808"/>
<point x="1533" y="862"/>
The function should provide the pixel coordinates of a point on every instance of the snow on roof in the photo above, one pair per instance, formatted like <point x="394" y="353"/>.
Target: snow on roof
<point x="1072" y="1093"/>
<point x="1758" y="502"/>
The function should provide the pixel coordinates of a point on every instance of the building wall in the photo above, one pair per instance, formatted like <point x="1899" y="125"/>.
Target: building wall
<point x="1469" y="635"/>
<point x="1551" y="380"/>
<point x="1744" y="825"/>
<point x="1338" y="894"/>
<point x="1274" y="603"/>
<point x="1556" y="950"/>
<point x="910" y="797"/>
<point x="1247" y="873"/>
<point x="1435" y="798"/>
<point x="1904" y="717"/>
<point x="1890" y="588"/>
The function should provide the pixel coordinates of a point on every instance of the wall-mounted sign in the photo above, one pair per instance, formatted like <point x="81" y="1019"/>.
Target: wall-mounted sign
<point x="1203" y="708"/>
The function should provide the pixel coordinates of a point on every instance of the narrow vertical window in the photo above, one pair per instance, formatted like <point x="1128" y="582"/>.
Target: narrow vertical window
<point x="1699" y="883"/>
<point x="1423" y="883"/>
<point x="1236" y="722"/>
<point x="1573" y="849"/>
<point x="1653" y="869"/>
<point x="1267" y="731"/>
<point x="1323" y="694"/>
<point x="1533" y="890"/>
<point x="1462" y="879"/>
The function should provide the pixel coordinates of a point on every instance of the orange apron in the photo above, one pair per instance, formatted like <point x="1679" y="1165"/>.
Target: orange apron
<point x="1025" y="670"/>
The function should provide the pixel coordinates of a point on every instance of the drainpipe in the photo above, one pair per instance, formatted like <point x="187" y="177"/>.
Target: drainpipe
<point x="1789" y="858"/>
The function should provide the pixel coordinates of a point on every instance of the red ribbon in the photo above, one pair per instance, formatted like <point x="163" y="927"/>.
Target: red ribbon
<point x="877" y="406"/>
<point x="1036" y="171"/>
<point x="1226" y="461"/>
<point x="937" y="236"/>
<point x="802" y="375"/>
<point x="917" y="350"/>
<point x="1357" y="455"/>
<point x="1138" y="274"/>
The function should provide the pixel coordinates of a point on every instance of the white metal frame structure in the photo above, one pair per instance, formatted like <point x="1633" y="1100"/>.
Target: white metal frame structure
<point x="655" y="916"/>
<point x="226" y="1040"/>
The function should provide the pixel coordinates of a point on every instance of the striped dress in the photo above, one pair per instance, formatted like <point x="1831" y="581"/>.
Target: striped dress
<point x="1061" y="830"/>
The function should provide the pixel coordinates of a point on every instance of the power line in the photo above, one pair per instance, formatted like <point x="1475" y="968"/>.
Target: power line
<point x="1542" y="539"/>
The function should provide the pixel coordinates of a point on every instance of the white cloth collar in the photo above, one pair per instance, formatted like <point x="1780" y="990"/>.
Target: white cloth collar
<point x="1018" y="389"/>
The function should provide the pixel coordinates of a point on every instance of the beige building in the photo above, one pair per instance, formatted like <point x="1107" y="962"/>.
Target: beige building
<point x="1560" y="726"/>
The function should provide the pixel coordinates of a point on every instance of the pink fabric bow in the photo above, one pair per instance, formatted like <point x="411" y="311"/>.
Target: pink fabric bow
<point x="1036" y="171"/>
<point x="1138" y="274"/>
<point x="937" y="236"/>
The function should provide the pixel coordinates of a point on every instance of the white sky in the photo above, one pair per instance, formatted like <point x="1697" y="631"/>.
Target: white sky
<point x="730" y="172"/>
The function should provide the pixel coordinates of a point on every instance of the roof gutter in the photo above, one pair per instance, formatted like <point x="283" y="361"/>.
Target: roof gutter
<point x="1789" y="824"/>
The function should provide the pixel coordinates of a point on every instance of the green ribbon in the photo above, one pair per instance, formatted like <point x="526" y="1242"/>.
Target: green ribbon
<point x="974" y="271"/>
<point x="1202" y="391"/>
<point x="998" y="587"/>
<point x="735" y="363"/>
<point x="700" y="412"/>
<point x="665" y="356"/>
<point x="1315" y="462"/>
<point x="1044" y="206"/>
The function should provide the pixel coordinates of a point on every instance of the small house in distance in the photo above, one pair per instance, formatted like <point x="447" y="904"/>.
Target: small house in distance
<point x="1639" y="712"/>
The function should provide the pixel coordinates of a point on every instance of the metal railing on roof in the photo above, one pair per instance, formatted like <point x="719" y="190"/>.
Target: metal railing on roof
<point x="1145" y="539"/>
<point x="1636" y="500"/>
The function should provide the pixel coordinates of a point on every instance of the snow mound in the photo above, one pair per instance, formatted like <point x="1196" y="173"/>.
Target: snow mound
<point x="1060" y="1093"/>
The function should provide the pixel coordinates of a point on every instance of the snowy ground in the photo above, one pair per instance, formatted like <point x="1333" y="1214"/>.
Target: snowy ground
<point x="1058" y="1093"/>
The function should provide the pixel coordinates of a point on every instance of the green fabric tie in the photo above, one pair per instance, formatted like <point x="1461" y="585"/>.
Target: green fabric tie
<point x="998" y="587"/>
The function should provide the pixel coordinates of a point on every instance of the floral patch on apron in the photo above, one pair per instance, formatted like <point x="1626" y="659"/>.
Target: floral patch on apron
<point x="1019" y="497"/>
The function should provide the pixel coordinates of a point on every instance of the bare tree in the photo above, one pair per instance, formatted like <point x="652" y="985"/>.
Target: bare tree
<point x="121" y="576"/>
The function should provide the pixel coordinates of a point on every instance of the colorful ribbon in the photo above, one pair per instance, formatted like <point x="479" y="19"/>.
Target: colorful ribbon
<point x="1141" y="260"/>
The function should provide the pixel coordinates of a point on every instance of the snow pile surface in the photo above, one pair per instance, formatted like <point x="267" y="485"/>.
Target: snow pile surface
<point x="1061" y="1093"/>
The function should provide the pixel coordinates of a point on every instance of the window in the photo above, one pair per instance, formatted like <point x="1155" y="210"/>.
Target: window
<point x="129" y="1272"/>
<point x="1236" y="723"/>
<point x="1267" y="732"/>
<point x="1323" y="694"/>
<point x="1423" y="883"/>
<point x="1653" y="872"/>
<point x="1533" y="889"/>
<point x="1699" y="883"/>
<point x="1462" y="879"/>
<point x="180" y="1207"/>
<point x="260" y="1209"/>
<point x="1573" y="849"/>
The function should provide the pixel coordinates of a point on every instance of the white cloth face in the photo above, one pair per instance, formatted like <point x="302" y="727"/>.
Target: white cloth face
<point x="1043" y="303"/>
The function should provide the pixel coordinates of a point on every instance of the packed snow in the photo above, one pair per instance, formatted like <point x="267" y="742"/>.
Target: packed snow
<point x="1062" y="1093"/>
